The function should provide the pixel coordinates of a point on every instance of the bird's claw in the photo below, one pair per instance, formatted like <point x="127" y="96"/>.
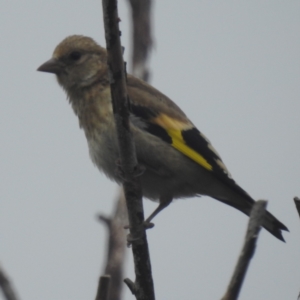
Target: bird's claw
<point x="130" y="239"/>
<point x="146" y="225"/>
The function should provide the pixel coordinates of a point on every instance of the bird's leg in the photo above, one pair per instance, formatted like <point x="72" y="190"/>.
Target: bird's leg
<point x="164" y="201"/>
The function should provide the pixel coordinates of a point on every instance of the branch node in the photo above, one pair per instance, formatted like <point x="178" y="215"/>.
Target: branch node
<point x="131" y="285"/>
<point x="104" y="219"/>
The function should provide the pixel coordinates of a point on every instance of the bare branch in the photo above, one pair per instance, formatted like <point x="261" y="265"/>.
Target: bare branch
<point x="254" y="225"/>
<point x="116" y="248"/>
<point x="6" y="287"/>
<point x="132" y="188"/>
<point x="103" y="288"/>
<point x="297" y="203"/>
<point x="142" y="37"/>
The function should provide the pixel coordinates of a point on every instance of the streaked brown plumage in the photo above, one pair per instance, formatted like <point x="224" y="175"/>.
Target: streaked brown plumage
<point x="179" y="161"/>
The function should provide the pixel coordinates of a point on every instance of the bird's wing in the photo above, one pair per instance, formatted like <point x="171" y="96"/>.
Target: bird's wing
<point x="158" y="115"/>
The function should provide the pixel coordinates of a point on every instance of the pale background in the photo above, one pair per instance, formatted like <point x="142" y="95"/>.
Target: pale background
<point x="233" y="67"/>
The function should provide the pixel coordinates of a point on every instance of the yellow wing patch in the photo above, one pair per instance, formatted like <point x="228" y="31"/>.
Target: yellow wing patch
<point x="174" y="128"/>
<point x="169" y="123"/>
<point x="179" y="144"/>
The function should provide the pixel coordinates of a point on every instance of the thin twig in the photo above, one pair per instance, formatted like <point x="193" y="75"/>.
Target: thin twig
<point x="6" y="287"/>
<point x="132" y="188"/>
<point x="297" y="203"/>
<point x="141" y="37"/>
<point x="254" y="225"/>
<point x="103" y="288"/>
<point x="116" y="246"/>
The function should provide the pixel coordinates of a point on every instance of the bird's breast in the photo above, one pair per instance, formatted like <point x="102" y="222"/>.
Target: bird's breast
<point x="103" y="148"/>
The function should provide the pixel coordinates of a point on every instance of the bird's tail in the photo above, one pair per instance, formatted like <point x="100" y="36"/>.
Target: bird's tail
<point x="274" y="226"/>
<point x="245" y="204"/>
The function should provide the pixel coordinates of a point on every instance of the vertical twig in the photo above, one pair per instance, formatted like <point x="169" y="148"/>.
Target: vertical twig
<point x="6" y="287"/>
<point x="143" y="287"/>
<point x="254" y="225"/>
<point x="116" y="247"/>
<point x="141" y="37"/>
<point x="103" y="288"/>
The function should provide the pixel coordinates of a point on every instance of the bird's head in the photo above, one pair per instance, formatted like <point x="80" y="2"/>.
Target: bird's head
<point x="78" y="61"/>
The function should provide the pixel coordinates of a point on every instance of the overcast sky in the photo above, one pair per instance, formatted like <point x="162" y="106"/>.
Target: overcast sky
<point x="233" y="67"/>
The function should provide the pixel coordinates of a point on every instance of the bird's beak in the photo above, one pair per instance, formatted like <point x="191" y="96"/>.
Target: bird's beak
<point x="51" y="66"/>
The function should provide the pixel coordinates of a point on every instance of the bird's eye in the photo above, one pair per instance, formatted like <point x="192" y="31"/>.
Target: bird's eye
<point x="75" y="55"/>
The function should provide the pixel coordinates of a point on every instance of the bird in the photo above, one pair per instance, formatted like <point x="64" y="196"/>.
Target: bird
<point x="177" y="160"/>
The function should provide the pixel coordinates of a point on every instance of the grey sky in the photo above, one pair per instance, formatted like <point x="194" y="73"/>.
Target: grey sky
<point x="233" y="67"/>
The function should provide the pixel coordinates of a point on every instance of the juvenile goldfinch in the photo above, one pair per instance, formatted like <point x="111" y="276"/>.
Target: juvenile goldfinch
<point x="177" y="159"/>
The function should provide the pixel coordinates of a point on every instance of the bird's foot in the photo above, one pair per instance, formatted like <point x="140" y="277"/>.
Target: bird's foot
<point x="146" y="225"/>
<point x="139" y="234"/>
<point x="130" y="239"/>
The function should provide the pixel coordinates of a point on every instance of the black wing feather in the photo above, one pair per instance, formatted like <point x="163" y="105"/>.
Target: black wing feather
<point x="194" y="140"/>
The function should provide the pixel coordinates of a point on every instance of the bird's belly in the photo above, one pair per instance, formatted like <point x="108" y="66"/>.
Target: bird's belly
<point x="104" y="153"/>
<point x="166" y="171"/>
<point x="154" y="186"/>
